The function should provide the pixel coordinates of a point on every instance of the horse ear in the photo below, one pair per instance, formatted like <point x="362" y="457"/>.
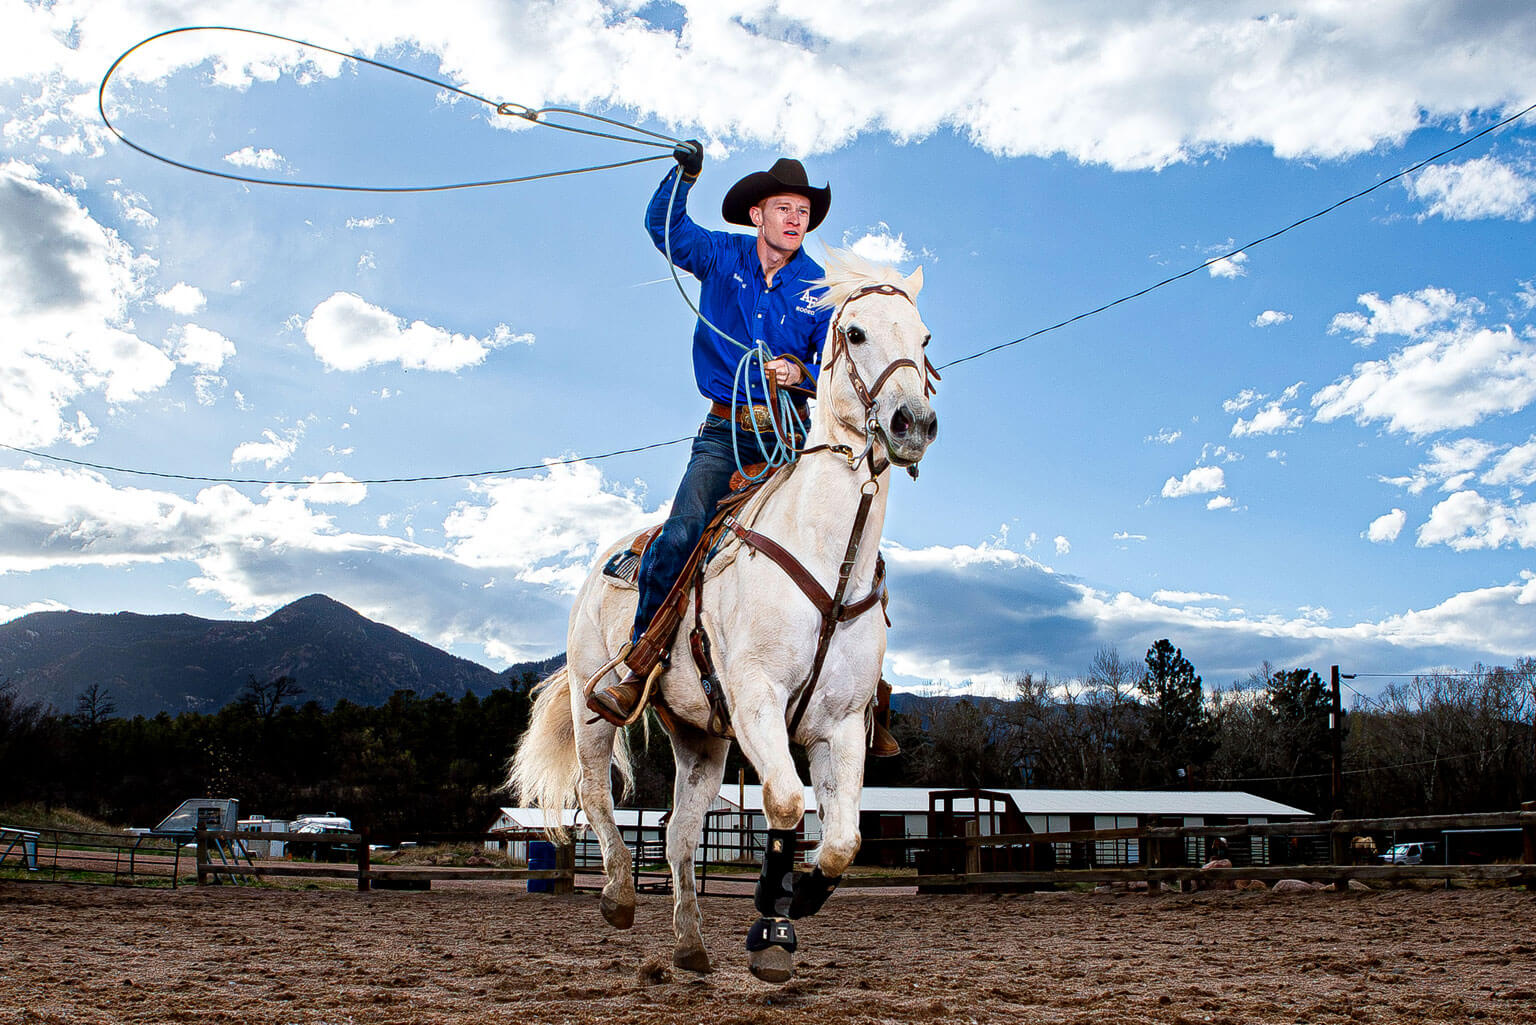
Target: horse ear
<point x="914" y="282"/>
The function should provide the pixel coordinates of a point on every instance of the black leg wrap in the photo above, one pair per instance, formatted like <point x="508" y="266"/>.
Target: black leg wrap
<point x="811" y="891"/>
<point x="774" y="886"/>
<point x="771" y="932"/>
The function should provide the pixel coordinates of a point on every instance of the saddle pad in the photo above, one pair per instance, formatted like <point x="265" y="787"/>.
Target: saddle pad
<point x="624" y="567"/>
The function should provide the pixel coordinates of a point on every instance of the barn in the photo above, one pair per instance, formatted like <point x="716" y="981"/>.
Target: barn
<point x="918" y="812"/>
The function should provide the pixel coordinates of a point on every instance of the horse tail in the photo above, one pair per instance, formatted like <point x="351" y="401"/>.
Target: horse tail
<point x="545" y="772"/>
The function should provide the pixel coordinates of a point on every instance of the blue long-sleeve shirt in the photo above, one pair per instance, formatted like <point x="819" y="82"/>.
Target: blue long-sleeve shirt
<point x="735" y="298"/>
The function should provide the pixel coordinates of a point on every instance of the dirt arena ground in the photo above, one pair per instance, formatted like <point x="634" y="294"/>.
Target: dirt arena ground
<point x="484" y="954"/>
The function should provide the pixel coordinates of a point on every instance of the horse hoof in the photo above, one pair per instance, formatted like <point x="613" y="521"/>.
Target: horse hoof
<point x="620" y="916"/>
<point x="772" y="964"/>
<point x="693" y="960"/>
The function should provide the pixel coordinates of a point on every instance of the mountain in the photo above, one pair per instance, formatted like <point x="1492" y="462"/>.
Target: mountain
<point x="176" y="663"/>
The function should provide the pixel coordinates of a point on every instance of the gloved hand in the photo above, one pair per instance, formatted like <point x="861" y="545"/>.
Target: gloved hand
<point x="690" y="157"/>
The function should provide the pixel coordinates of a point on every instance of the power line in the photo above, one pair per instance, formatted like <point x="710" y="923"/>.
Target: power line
<point x="322" y="483"/>
<point x="1238" y="249"/>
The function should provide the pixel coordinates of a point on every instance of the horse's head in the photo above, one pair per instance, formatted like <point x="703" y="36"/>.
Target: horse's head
<point x="875" y="378"/>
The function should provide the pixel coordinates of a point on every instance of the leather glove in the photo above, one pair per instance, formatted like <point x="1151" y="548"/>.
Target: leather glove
<point x="690" y="157"/>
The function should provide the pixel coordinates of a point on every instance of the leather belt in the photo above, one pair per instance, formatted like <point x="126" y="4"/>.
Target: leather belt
<point x="748" y="418"/>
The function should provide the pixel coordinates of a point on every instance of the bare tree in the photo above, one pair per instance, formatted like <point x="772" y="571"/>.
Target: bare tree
<point x="94" y="706"/>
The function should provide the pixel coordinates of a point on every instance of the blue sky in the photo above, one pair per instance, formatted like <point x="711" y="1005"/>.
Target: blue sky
<point x="1319" y="452"/>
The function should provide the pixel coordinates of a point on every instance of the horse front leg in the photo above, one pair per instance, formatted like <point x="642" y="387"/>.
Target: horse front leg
<point x="764" y="739"/>
<point x="700" y="763"/>
<point x="837" y="773"/>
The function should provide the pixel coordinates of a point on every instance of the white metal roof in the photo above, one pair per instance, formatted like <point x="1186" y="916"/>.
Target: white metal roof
<point x="914" y="800"/>
<point x="533" y="818"/>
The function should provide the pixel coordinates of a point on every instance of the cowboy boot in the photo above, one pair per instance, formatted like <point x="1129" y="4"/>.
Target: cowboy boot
<point x="616" y="702"/>
<point x="882" y="744"/>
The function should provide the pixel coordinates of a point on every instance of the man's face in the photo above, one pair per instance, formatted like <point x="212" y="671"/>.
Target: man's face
<point x="782" y="221"/>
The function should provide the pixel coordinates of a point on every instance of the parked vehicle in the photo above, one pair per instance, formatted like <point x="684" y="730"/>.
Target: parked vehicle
<point x="1410" y="854"/>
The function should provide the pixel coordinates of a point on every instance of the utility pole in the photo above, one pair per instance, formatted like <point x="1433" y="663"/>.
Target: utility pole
<point x="1336" y="738"/>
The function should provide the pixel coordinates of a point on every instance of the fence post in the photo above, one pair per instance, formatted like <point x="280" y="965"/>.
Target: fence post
<point x="1528" y="834"/>
<point x="364" y="861"/>
<point x="202" y="856"/>
<point x="565" y="860"/>
<point x="972" y="854"/>
<point x="1338" y="840"/>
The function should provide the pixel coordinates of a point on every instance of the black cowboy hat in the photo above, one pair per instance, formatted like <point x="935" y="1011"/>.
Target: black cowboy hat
<point x="785" y="175"/>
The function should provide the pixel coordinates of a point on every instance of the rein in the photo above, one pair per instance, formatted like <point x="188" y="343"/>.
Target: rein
<point x="834" y="608"/>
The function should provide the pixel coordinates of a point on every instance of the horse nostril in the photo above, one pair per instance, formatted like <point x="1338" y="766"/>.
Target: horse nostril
<point x="901" y="423"/>
<point x="933" y="428"/>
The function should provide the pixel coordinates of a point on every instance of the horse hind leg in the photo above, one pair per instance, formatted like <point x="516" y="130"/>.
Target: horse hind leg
<point x="596" y="754"/>
<point x="700" y="764"/>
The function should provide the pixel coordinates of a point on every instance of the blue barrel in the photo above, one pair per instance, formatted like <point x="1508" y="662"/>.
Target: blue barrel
<point x="541" y="854"/>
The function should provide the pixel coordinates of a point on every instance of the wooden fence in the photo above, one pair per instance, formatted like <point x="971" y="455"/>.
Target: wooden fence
<point x="1161" y="855"/>
<point x="215" y="864"/>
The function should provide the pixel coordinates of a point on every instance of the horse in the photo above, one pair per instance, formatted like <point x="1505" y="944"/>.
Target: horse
<point x="792" y="666"/>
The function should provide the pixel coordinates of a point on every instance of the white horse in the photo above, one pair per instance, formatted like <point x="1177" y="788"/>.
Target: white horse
<point x="871" y="413"/>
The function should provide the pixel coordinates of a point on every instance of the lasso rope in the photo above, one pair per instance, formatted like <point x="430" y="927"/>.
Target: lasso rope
<point x="784" y="419"/>
<point x="538" y="116"/>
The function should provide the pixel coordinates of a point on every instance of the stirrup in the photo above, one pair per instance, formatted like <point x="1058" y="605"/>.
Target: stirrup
<point x="645" y="693"/>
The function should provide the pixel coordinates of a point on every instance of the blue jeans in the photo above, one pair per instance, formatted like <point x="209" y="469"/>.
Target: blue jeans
<point x="705" y="482"/>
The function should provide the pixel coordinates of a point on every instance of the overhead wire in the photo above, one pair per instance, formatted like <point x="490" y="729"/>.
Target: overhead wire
<point x="539" y="116"/>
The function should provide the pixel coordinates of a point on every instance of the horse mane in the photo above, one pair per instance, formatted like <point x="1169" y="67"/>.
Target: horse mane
<point x="847" y="272"/>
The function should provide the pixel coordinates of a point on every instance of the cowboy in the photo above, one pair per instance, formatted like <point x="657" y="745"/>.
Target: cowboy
<point x="759" y="290"/>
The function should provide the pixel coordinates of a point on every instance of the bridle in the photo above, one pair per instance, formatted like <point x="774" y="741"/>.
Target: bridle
<point x="867" y="395"/>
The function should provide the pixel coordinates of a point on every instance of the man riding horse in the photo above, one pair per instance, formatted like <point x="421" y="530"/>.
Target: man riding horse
<point x="760" y="290"/>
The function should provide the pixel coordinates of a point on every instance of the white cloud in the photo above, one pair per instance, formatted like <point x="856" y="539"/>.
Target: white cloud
<point x="258" y="159"/>
<point x="1164" y="436"/>
<point x="1517" y="466"/>
<point x="1408" y="314"/>
<point x="1138" y="87"/>
<point x="201" y="348"/>
<point x="545" y="529"/>
<point x="1229" y="266"/>
<point x="1466" y="521"/>
<point x="1172" y="597"/>
<point x="1272" y="419"/>
<point x="1454" y="378"/>
<point x="66" y="285"/>
<point x="1241" y="401"/>
<point x="878" y="245"/>
<point x="369" y="222"/>
<point x="1478" y="189"/>
<point x="1269" y="318"/>
<point x="182" y="298"/>
<point x="271" y="450"/>
<point x="1386" y="528"/>
<point x="947" y="600"/>
<point x="1221" y="502"/>
<point x="1063" y="546"/>
<point x="1122" y="535"/>
<point x="1202" y="480"/>
<point x="348" y="333"/>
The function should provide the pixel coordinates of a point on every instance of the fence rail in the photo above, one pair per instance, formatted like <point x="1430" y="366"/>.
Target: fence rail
<point x="362" y="869"/>
<point x="73" y="855"/>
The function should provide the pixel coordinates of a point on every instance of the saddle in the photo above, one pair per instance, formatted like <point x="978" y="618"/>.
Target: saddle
<point x="623" y="570"/>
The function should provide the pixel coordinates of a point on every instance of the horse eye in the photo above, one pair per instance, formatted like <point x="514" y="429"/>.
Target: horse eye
<point x="856" y="335"/>
<point x="926" y="340"/>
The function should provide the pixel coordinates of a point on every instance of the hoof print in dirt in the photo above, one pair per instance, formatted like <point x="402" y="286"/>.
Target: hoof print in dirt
<point x="653" y="972"/>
